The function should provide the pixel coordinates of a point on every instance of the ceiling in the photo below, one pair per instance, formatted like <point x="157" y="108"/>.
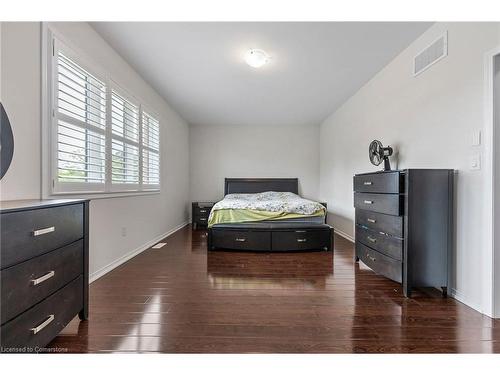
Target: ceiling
<point x="315" y="67"/>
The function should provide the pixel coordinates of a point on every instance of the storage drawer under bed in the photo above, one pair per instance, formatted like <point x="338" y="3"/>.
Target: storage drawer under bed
<point x="301" y="240"/>
<point x="241" y="240"/>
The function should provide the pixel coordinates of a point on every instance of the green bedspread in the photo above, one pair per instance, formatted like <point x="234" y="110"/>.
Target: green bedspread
<point x="225" y="216"/>
<point x="269" y="205"/>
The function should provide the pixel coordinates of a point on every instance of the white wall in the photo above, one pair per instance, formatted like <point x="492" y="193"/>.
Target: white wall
<point x="217" y="152"/>
<point x="429" y="119"/>
<point x="144" y="217"/>
<point x="20" y="86"/>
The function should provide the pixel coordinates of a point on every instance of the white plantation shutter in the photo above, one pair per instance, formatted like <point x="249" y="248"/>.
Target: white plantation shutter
<point x="150" y="150"/>
<point x="125" y="140"/>
<point x="80" y="115"/>
<point x="101" y="139"/>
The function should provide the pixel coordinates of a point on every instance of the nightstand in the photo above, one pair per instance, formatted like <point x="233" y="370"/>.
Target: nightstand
<point x="200" y="213"/>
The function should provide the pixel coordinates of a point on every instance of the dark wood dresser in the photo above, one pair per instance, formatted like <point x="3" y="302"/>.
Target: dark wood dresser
<point x="200" y="213"/>
<point x="404" y="225"/>
<point x="43" y="270"/>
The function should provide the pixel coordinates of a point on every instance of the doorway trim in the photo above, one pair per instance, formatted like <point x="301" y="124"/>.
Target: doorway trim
<point x="491" y="253"/>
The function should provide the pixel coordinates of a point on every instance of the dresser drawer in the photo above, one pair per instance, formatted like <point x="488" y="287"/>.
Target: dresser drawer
<point x="390" y="204"/>
<point x="389" y="182"/>
<point x="300" y="240"/>
<point x="26" y="234"/>
<point x="27" y="283"/>
<point x="241" y="240"/>
<point x="201" y="220"/>
<point x="198" y="216"/>
<point x="389" y="224"/>
<point x="40" y="324"/>
<point x="202" y="211"/>
<point x="380" y="263"/>
<point x="387" y="245"/>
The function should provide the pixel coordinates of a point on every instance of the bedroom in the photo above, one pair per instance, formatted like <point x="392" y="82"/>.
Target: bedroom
<point x="181" y="121"/>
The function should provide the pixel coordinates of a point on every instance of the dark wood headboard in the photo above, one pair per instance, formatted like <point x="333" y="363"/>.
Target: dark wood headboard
<point x="258" y="185"/>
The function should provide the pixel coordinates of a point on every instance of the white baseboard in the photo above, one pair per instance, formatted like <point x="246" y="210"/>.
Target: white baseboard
<point x="461" y="298"/>
<point x="111" y="266"/>
<point x="343" y="234"/>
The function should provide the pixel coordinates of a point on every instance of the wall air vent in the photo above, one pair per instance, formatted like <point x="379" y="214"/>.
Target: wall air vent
<point x="159" y="245"/>
<point x="436" y="51"/>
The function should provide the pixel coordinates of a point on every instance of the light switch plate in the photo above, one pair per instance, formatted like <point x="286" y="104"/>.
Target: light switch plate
<point x="475" y="162"/>
<point x="476" y="137"/>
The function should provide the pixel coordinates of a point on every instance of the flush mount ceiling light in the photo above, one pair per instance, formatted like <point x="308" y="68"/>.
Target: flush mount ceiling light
<point x="256" y="58"/>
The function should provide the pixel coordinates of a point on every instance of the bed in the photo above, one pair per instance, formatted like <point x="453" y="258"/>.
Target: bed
<point x="267" y="214"/>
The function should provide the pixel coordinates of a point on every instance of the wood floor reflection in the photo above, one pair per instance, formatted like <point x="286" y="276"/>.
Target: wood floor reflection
<point x="179" y="299"/>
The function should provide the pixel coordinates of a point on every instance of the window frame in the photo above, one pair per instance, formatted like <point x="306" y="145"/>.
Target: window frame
<point x="50" y="81"/>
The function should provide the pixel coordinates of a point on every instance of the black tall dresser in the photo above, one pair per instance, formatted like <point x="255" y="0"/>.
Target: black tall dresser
<point x="404" y="225"/>
<point x="43" y="270"/>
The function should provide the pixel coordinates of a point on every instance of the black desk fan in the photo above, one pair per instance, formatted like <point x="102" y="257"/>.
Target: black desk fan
<point x="377" y="153"/>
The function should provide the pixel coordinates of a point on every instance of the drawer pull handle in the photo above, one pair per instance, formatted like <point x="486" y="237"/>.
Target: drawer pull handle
<point x="368" y="183"/>
<point x="39" y="232"/>
<point x="240" y="239"/>
<point x="41" y="279"/>
<point x="301" y="239"/>
<point x="203" y="219"/>
<point x="371" y="220"/>
<point x="371" y="239"/>
<point x="300" y="231"/>
<point x="203" y="211"/>
<point x="368" y="202"/>
<point x="47" y="321"/>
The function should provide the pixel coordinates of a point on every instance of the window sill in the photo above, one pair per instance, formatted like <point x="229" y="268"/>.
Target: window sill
<point x="104" y="195"/>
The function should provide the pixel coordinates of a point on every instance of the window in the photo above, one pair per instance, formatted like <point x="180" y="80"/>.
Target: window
<point x="81" y="124"/>
<point x="103" y="138"/>
<point x="151" y="150"/>
<point x="124" y="140"/>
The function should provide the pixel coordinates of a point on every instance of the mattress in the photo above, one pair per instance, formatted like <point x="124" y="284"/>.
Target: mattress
<point x="266" y="207"/>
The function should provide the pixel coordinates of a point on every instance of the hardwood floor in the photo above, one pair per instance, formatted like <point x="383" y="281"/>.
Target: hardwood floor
<point x="179" y="299"/>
